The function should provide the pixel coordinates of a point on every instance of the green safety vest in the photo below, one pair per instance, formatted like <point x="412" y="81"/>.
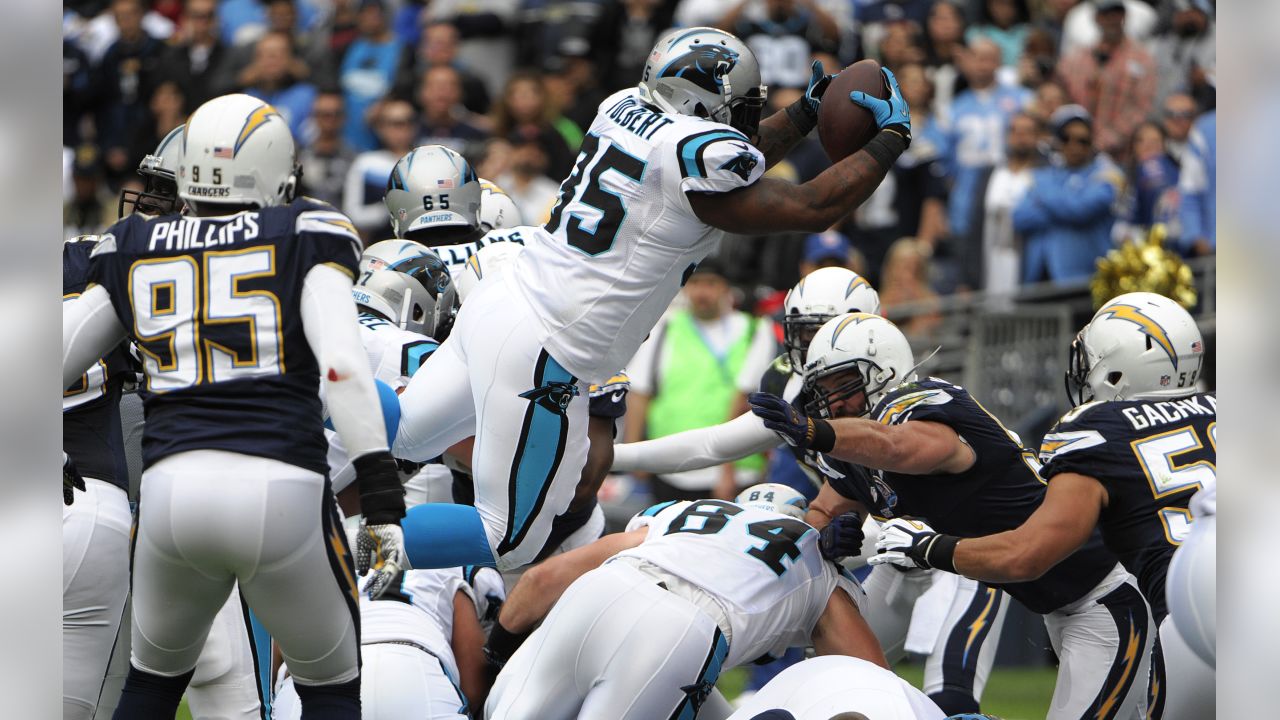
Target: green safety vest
<point x="696" y="388"/>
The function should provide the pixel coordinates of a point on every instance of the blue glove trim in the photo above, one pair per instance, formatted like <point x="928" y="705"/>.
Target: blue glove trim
<point x="444" y="535"/>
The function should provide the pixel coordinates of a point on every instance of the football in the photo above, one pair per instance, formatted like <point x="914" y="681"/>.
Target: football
<point x="844" y="127"/>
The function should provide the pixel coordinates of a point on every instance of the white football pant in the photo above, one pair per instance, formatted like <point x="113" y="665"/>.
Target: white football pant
<point x="822" y="687"/>
<point x="210" y="518"/>
<point x="617" y="646"/>
<point x="95" y="583"/>
<point x="396" y="682"/>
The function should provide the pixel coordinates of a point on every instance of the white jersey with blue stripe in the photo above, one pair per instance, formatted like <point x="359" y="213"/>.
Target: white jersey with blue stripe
<point x="623" y="238"/>
<point x="395" y="354"/>
<point x="762" y="567"/>
<point x="417" y="609"/>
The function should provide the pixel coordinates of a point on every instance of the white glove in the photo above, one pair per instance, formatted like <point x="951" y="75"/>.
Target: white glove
<point x="380" y="550"/>
<point x="907" y="544"/>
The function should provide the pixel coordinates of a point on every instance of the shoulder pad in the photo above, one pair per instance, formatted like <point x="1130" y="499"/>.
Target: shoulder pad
<point x="1060" y="443"/>
<point x="106" y="245"/>
<point x="310" y="203"/>
<point x="900" y="401"/>
<point x="717" y="160"/>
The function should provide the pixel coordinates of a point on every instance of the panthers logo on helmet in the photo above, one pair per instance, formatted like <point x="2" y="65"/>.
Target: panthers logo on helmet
<point x="742" y="164"/>
<point x="705" y="67"/>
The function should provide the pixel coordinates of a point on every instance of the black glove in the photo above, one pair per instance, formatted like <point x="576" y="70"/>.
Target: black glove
<point x="842" y="538"/>
<point x="71" y="480"/>
<point x="791" y="424"/>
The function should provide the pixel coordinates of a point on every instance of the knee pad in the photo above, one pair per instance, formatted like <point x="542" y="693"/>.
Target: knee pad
<point x="954" y="702"/>
<point x="340" y="701"/>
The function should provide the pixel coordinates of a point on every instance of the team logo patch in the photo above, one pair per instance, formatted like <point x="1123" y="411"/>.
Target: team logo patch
<point x="1149" y="327"/>
<point x="554" y="396"/>
<point x="741" y="164"/>
<point x="704" y="66"/>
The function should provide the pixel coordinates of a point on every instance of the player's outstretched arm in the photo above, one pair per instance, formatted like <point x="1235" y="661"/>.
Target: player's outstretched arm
<point x="841" y="630"/>
<point x="468" y="650"/>
<point x="695" y="449"/>
<point x="781" y="131"/>
<point x="89" y="329"/>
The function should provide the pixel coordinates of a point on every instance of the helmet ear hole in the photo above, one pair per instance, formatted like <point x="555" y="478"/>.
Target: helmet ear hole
<point x="1113" y="378"/>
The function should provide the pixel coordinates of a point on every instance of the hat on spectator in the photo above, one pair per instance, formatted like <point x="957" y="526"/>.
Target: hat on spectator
<point x="1067" y="114"/>
<point x="1105" y="5"/>
<point x="709" y="266"/>
<point x="829" y="244"/>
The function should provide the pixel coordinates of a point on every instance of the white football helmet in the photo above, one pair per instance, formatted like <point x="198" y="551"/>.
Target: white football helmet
<point x="707" y="73"/>
<point x="497" y="209"/>
<point x="1139" y="346"/>
<point x="483" y="263"/>
<point x="430" y="188"/>
<point x="237" y="150"/>
<point x="159" y="171"/>
<point x="774" y="497"/>
<point x="870" y="350"/>
<point x="818" y="297"/>
<point x="418" y="295"/>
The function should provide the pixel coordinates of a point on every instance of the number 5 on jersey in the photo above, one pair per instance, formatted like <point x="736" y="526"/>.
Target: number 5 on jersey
<point x="595" y="196"/>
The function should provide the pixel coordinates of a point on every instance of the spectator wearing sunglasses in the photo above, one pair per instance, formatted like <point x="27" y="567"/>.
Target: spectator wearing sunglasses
<point x="1065" y="218"/>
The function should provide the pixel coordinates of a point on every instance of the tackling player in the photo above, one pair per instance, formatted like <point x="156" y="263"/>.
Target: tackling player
<point x="1127" y="460"/>
<point x="690" y="589"/>
<point x="665" y="168"/>
<point x="822" y="688"/>
<point x="950" y="463"/>
<point x="238" y="310"/>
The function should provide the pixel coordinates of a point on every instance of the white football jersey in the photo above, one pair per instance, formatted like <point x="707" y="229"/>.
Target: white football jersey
<point x="763" y="567"/>
<point x="455" y="256"/>
<point x="623" y="238"/>
<point x="418" y="610"/>
<point x="395" y="355"/>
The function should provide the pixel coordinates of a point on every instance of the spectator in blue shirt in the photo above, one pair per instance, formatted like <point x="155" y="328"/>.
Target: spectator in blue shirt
<point x="368" y="71"/>
<point x="975" y="135"/>
<point x="275" y="84"/>
<point x="1199" y="187"/>
<point x="1154" y="178"/>
<point x="1065" y="218"/>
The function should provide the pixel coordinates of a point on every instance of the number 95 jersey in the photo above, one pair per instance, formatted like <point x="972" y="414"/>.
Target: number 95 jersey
<point x="1151" y="456"/>
<point x="763" y="567"/>
<point x="214" y="307"/>
<point x="622" y="238"/>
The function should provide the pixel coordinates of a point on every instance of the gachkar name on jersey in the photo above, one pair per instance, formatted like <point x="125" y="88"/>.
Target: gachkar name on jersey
<point x="190" y="233"/>
<point x="1152" y="414"/>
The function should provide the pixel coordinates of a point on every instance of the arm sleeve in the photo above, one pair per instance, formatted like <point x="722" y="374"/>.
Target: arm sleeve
<point x="364" y="215"/>
<point x="89" y="329"/>
<point x="695" y="449"/>
<point x="717" y="161"/>
<point x="329" y="321"/>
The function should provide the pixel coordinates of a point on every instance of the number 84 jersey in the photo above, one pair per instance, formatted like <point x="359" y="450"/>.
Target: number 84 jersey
<point x="213" y="305"/>
<point x="763" y="568"/>
<point x="1151" y="456"/>
<point x="622" y="237"/>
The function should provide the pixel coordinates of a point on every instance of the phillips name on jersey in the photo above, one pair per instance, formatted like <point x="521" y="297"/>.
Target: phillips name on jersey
<point x="214" y="307"/>
<point x="1151" y="456"/>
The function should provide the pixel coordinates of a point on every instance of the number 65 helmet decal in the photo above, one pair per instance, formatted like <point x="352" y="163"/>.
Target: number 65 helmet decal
<point x="432" y="187"/>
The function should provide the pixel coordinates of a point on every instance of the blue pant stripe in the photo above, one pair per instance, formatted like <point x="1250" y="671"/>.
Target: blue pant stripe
<point x="538" y="455"/>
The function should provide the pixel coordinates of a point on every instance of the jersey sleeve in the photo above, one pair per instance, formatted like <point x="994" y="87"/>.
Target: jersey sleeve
<point x="609" y="398"/>
<point x="328" y="236"/>
<point x="414" y="354"/>
<point x="717" y="160"/>
<point x="914" y="401"/>
<point x="1070" y="447"/>
<point x="646" y="517"/>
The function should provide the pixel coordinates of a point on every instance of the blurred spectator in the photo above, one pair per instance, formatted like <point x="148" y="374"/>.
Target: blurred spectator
<point x="275" y="77"/>
<point x="624" y="36"/>
<point x="944" y="44"/>
<point x="394" y="125"/>
<point x="1052" y="16"/>
<point x="524" y="111"/>
<point x="975" y="144"/>
<point x="437" y="47"/>
<point x="1065" y="218"/>
<point x="1002" y="267"/>
<point x="368" y="70"/>
<point x="326" y="157"/>
<point x="1198" y="186"/>
<point x="1186" y="53"/>
<point x="340" y="30"/>
<point x="1115" y="80"/>
<point x="314" y="61"/>
<point x="487" y="29"/>
<point x="912" y="199"/>
<point x="128" y="73"/>
<point x="1039" y="59"/>
<point x="166" y="111"/>
<point x="245" y="21"/>
<point x="1080" y="29"/>
<point x="523" y="174"/>
<point x="901" y="45"/>
<point x="906" y="297"/>
<point x="95" y="32"/>
<point x="785" y="38"/>
<point x="199" y="61"/>
<point x="78" y="92"/>
<point x="1153" y="180"/>
<point x="1177" y="115"/>
<point x="1050" y="96"/>
<point x="1004" y="22"/>
<point x="688" y="373"/>
<point x="88" y="210"/>
<point x="575" y="92"/>
<point x="826" y="249"/>
<point x="444" y="119"/>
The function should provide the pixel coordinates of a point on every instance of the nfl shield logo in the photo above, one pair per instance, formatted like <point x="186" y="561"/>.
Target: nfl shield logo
<point x="1165" y="380"/>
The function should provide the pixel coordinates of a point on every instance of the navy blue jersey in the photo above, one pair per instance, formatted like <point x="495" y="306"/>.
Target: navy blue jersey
<point x="1151" y="456"/>
<point x="214" y="307"/>
<point x="91" y="432"/>
<point x="998" y="493"/>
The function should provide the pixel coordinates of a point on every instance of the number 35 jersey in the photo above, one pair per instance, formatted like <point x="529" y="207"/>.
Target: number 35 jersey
<point x="1151" y="456"/>
<point x="622" y="238"/>
<point x="763" y="568"/>
<point x="214" y="307"/>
